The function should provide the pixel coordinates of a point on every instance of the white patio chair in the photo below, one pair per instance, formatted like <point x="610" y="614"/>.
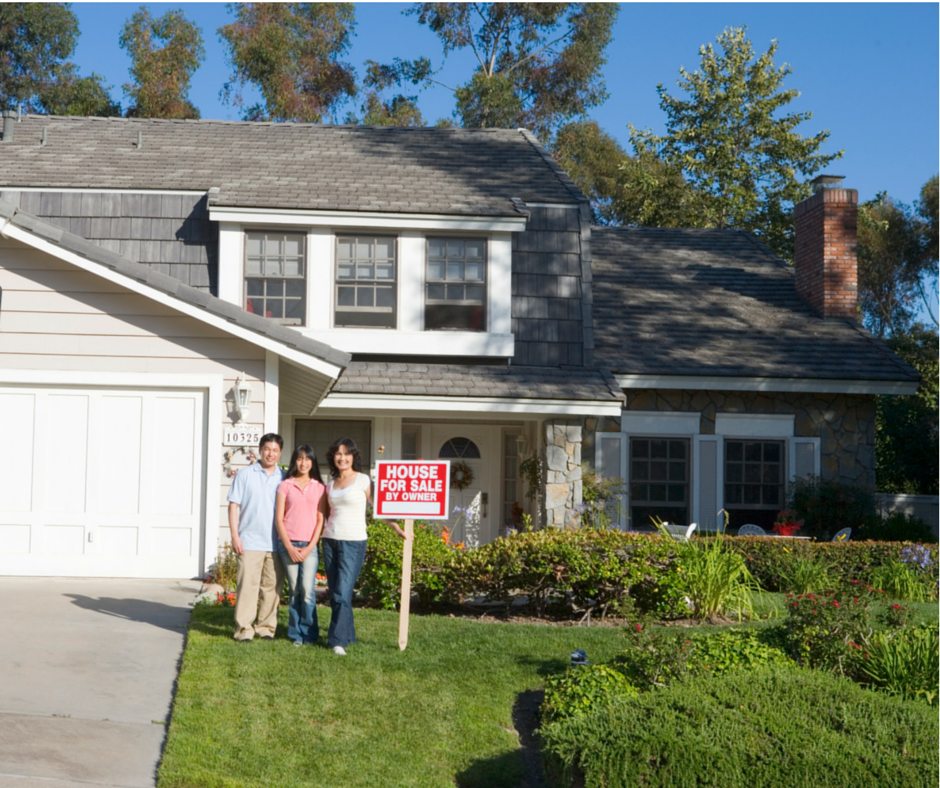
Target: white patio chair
<point x="751" y="530"/>
<point x="680" y="533"/>
<point x="843" y="535"/>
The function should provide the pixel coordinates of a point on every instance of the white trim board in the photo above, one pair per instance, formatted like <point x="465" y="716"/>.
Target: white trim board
<point x="81" y="190"/>
<point x="748" y="425"/>
<point x="654" y="422"/>
<point x="370" y="219"/>
<point x="492" y="406"/>
<point x="10" y="230"/>
<point x="799" y="385"/>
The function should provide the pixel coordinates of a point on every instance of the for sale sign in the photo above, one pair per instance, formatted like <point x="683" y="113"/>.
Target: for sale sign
<point x="412" y="489"/>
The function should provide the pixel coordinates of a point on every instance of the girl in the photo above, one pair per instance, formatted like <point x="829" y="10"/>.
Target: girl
<point x="344" y="537"/>
<point x="299" y="514"/>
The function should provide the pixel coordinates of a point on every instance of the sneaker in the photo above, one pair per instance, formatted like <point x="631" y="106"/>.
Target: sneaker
<point x="267" y="637"/>
<point x="297" y="643"/>
<point x="339" y="651"/>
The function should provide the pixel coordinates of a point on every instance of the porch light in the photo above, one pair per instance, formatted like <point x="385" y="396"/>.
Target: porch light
<point x="242" y="397"/>
<point x="522" y="443"/>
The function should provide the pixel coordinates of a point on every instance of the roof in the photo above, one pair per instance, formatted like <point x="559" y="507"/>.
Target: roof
<point x="691" y="302"/>
<point x="291" y="165"/>
<point x="469" y="380"/>
<point x="167" y="285"/>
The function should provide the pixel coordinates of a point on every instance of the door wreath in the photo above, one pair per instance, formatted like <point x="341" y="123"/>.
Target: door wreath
<point x="461" y="476"/>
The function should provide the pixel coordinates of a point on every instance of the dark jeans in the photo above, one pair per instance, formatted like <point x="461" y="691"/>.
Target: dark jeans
<point x="302" y="625"/>
<point x="343" y="562"/>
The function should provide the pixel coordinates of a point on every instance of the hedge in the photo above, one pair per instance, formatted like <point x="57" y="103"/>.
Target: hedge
<point x="763" y="729"/>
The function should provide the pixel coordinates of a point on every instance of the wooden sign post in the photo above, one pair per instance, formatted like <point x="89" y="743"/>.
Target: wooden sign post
<point x="403" y="489"/>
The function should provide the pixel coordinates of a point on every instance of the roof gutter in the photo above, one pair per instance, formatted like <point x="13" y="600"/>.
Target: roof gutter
<point x="797" y="385"/>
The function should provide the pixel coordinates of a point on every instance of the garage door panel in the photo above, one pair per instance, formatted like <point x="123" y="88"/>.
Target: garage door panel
<point x="14" y="538"/>
<point x="174" y="489"/>
<point x="171" y="541"/>
<point x="118" y="455"/>
<point x="120" y="540"/>
<point x="16" y="481"/>
<point x="64" y="459"/>
<point x="63" y="539"/>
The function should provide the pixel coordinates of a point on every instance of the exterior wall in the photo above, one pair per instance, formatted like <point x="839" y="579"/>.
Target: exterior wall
<point x="170" y="233"/>
<point x="56" y="317"/>
<point x="844" y="423"/>
<point x="562" y="471"/>
<point x="548" y="288"/>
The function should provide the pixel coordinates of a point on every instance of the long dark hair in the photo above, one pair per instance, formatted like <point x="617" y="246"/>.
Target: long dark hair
<point x="307" y="451"/>
<point x="350" y="445"/>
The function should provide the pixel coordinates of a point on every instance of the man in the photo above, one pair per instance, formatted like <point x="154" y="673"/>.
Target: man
<point x="260" y="576"/>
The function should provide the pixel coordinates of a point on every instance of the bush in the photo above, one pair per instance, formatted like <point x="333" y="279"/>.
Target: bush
<point x="804" y="576"/>
<point x="896" y="527"/>
<point x="901" y="581"/>
<point x="583" y="690"/>
<point x="828" y="507"/>
<point x="225" y="569"/>
<point x="734" y="650"/>
<point x="823" y="629"/>
<point x="763" y="729"/>
<point x="905" y="662"/>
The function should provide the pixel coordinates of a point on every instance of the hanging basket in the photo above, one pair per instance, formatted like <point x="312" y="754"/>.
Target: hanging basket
<point x="461" y="477"/>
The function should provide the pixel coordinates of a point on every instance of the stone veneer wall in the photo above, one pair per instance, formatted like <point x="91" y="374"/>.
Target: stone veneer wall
<point x="561" y="471"/>
<point x="845" y="423"/>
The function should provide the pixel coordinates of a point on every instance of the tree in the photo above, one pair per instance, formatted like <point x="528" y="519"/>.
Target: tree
<point x="592" y="158"/>
<point x="539" y="64"/>
<point x="398" y="110"/>
<point x="742" y="159"/>
<point x="906" y="428"/>
<point x="164" y="52"/>
<point x="893" y="257"/>
<point x="71" y="94"/>
<point x="291" y="52"/>
<point x="927" y="209"/>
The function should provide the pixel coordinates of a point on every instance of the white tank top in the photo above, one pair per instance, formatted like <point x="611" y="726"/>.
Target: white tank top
<point x="347" y="511"/>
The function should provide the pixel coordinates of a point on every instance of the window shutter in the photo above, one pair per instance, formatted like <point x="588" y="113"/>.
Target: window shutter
<point x="804" y="457"/>
<point x="708" y="488"/>
<point x="610" y="461"/>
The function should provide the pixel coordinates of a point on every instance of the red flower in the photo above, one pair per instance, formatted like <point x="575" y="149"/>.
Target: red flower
<point x="835" y="604"/>
<point x="895" y="607"/>
<point x="638" y="627"/>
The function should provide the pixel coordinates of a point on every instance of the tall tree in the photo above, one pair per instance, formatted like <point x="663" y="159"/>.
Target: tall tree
<point x="165" y="52"/>
<point x="291" y="53"/>
<point x="893" y="258"/>
<point x="927" y="208"/>
<point x="379" y="110"/>
<point x="538" y="64"/>
<point x="731" y="144"/>
<point x="36" y="40"/>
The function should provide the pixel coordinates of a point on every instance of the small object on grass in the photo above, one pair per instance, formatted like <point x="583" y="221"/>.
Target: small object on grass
<point x="579" y="657"/>
<point x="339" y="651"/>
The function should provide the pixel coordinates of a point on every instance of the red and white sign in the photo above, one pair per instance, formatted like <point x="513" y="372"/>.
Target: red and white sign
<point x="412" y="489"/>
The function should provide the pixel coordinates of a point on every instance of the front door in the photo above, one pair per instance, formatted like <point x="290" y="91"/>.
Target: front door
<point x="474" y="473"/>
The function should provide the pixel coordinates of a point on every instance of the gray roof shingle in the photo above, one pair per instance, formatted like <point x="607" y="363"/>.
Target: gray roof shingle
<point x="718" y="303"/>
<point x="291" y="165"/>
<point x="468" y="380"/>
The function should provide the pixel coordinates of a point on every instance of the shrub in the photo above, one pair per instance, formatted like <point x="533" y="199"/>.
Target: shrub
<point x="764" y="728"/>
<point x="896" y="527"/>
<point x="583" y="690"/>
<point x="225" y="569"/>
<point x="828" y="506"/>
<point x="654" y="658"/>
<point x="718" y="653"/>
<point x="900" y="581"/>
<point x="823" y="629"/>
<point x="905" y="663"/>
<point x="804" y="576"/>
<point x="600" y="497"/>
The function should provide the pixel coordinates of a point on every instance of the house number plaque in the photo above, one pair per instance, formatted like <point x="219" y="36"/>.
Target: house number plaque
<point x="242" y="435"/>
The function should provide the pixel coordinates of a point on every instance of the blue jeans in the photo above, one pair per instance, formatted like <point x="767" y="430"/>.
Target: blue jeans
<point x="343" y="560"/>
<point x="302" y="625"/>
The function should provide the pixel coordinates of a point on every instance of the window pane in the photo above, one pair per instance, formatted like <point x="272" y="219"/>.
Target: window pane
<point x="772" y="452"/>
<point x="385" y="271"/>
<point x="436" y="247"/>
<point x="435" y="270"/>
<point x="384" y="297"/>
<point x="475" y="249"/>
<point x="346" y="296"/>
<point x="275" y="287"/>
<point x="752" y="493"/>
<point x="385" y="248"/>
<point x="771" y="474"/>
<point x="346" y="271"/>
<point x="295" y="309"/>
<point x="676" y="493"/>
<point x="294" y="266"/>
<point x="752" y="473"/>
<point x="253" y="265"/>
<point x="752" y="452"/>
<point x="273" y="266"/>
<point x="734" y="472"/>
<point x="733" y="493"/>
<point x="638" y="492"/>
<point x="436" y="292"/>
<point x="455" y="292"/>
<point x="473" y="272"/>
<point x="454" y="271"/>
<point x="640" y="448"/>
<point x="364" y="248"/>
<point x="772" y="496"/>
<point x="273" y="246"/>
<point x="274" y="308"/>
<point x="455" y="248"/>
<point x="735" y="451"/>
<point x="658" y="471"/>
<point x="657" y="492"/>
<point x="364" y="296"/>
<point x="677" y="471"/>
<point x="474" y="293"/>
<point x="292" y="245"/>
<point x="345" y="249"/>
<point x="639" y="470"/>
<point x="254" y="244"/>
<point x="295" y="287"/>
<point x="658" y="449"/>
<point x="365" y="271"/>
<point x="254" y="287"/>
<point x="677" y="450"/>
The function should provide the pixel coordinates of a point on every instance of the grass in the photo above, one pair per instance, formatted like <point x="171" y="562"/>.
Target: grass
<point x="438" y="714"/>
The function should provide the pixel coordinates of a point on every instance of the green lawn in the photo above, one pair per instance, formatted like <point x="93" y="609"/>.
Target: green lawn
<point x="438" y="714"/>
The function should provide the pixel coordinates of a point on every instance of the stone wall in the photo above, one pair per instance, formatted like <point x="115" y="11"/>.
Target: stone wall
<point x="845" y="423"/>
<point x="562" y="471"/>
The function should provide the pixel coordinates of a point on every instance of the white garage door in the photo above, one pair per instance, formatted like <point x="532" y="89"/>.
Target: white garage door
<point x="102" y="482"/>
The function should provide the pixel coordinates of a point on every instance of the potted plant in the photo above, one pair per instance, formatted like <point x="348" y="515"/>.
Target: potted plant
<point x="787" y="523"/>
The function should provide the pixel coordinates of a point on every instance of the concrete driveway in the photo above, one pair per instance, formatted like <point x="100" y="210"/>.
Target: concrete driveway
<point x="87" y="674"/>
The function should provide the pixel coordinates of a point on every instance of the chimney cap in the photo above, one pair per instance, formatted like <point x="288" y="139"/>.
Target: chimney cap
<point x="821" y="182"/>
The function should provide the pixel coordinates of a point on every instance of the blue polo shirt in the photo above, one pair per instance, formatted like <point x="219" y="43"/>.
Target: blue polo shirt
<point x="255" y="492"/>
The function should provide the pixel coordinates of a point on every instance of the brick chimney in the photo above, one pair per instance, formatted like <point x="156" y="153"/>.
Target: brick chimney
<point x="826" y="241"/>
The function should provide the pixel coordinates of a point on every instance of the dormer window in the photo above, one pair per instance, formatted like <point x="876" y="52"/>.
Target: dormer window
<point x="456" y="284"/>
<point x="275" y="278"/>
<point x="366" y="282"/>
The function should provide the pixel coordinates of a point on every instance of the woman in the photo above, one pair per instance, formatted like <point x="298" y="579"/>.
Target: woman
<point x="344" y="537"/>
<point x="299" y="512"/>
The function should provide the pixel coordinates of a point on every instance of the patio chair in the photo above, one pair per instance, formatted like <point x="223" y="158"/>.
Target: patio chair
<point x="680" y="533"/>
<point x="751" y="530"/>
<point x="843" y="535"/>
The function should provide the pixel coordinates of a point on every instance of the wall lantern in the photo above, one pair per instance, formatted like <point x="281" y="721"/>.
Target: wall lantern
<point x="241" y="397"/>
<point x="522" y="444"/>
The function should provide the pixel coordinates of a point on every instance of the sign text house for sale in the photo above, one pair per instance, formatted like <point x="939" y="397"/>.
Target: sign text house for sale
<point x="412" y="489"/>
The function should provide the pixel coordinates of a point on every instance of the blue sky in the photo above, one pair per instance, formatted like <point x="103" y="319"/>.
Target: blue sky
<point x="867" y="71"/>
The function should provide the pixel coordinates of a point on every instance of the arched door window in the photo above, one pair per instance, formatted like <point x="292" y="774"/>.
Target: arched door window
<point x="459" y="448"/>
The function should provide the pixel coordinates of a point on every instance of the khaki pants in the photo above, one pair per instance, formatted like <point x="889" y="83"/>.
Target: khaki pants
<point x="257" y="592"/>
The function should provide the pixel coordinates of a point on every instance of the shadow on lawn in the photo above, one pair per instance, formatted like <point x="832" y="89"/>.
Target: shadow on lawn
<point x="527" y="759"/>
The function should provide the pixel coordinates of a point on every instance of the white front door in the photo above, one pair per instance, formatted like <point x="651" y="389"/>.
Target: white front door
<point x="102" y="482"/>
<point x="474" y="448"/>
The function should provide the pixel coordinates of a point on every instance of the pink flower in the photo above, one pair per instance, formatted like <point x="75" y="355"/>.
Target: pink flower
<point x="835" y="604"/>
<point x="638" y="627"/>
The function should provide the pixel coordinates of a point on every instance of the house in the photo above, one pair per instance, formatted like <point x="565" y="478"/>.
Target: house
<point x="428" y="292"/>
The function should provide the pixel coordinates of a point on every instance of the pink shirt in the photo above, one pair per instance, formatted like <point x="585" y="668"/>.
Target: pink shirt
<point x="300" y="508"/>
